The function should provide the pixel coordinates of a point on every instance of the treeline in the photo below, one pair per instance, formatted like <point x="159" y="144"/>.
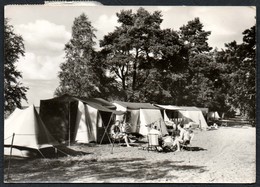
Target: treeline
<point x="141" y="62"/>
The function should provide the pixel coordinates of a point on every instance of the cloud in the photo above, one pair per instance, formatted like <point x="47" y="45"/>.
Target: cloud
<point x="41" y="67"/>
<point x="39" y="90"/>
<point x="105" y="24"/>
<point x="42" y="37"/>
<point x="225" y="23"/>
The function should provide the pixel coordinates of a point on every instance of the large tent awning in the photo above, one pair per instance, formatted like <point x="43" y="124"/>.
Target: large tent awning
<point x="102" y="108"/>
<point x="101" y="102"/>
<point x="169" y="107"/>
<point x="136" y="106"/>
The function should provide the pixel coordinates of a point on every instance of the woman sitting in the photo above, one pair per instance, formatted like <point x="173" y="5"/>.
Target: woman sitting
<point x="117" y="131"/>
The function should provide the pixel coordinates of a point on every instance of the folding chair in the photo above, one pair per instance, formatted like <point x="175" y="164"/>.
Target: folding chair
<point x="153" y="142"/>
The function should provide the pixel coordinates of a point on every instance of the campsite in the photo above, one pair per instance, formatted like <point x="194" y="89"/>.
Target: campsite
<point x="226" y="155"/>
<point x="129" y="94"/>
<point x="78" y="147"/>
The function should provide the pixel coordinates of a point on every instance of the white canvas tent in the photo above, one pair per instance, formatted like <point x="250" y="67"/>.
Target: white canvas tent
<point x="24" y="129"/>
<point x="195" y="115"/>
<point x="167" y="108"/>
<point x="86" y="131"/>
<point x="189" y="114"/>
<point x="89" y="122"/>
<point x="213" y="115"/>
<point x="140" y="115"/>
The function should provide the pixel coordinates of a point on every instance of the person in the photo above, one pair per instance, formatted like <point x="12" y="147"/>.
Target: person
<point x="184" y="137"/>
<point x="155" y="131"/>
<point x="118" y="132"/>
<point x="173" y="124"/>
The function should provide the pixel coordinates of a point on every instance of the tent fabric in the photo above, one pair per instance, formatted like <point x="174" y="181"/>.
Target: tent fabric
<point x="169" y="107"/>
<point x="141" y="114"/>
<point x="131" y="105"/>
<point x="72" y="119"/>
<point x="29" y="130"/>
<point x="171" y="112"/>
<point x="188" y="113"/>
<point x="213" y="115"/>
<point x="102" y="102"/>
<point x="133" y="118"/>
<point x="59" y="115"/>
<point x="102" y="108"/>
<point x="148" y="116"/>
<point x="85" y="132"/>
<point x="195" y="116"/>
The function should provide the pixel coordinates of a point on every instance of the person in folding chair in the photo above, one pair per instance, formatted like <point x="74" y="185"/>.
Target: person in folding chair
<point x="117" y="132"/>
<point x="155" y="131"/>
<point x="184" y="138"/>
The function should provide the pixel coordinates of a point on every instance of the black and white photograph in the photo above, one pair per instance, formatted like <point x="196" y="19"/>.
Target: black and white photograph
<point x="129" y="94"/>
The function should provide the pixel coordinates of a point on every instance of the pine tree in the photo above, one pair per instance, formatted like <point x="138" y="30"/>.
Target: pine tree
<point x="78" y="75"/>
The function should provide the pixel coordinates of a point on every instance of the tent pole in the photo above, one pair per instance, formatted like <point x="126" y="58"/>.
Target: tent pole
<point x="106" y="129"/>
<point x="69" y="124"/>
<point x="10" y="156"/>
<point x="160" y="125"/>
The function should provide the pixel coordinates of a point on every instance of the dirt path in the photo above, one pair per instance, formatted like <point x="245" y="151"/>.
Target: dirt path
<point x="221" y="156"/>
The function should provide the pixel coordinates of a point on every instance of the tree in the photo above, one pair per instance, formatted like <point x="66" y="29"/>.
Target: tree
<point x="137" y="51"/>
<point x="14" y="91"/>
<point x="241" y="67"/>
<point x="78" y="75"/>
<point x="198" y="85"/>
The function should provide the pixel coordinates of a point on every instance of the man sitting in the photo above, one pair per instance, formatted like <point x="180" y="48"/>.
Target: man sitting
<point x="184" y="137"/>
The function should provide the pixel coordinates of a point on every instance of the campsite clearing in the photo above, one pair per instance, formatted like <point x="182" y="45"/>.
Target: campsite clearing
<point x="225" y="155"/>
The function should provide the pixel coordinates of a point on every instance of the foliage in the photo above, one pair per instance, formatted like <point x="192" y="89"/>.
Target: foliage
<point x="241" y="69"/>
<point x="141" y="62"/>
<point x="14" y="91"/>
<point x="199" y="83"/>
<point x="137" y="51"/>
<point x="78" y="75"/>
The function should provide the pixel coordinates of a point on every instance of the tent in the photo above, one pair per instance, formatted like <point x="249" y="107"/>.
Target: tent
<point x="171" y="113"/>
<point x="73" y="119"/>
<point x="92" y="122"/>
<point x="101" y="102"/>
<point x="25" y="130"/>
<point x="188" y="114"/>
<point x="140" y="115"/>
<point x="213" y="115"/>
<point x="195" y="115"/>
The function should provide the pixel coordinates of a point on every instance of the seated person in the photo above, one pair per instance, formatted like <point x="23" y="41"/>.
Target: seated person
<point x="173" y="124"/>
<point x="184" y="137"/>
<point x="167" y="143"/>
<point x="117" y="132"/>
<point x="155" y="130"/>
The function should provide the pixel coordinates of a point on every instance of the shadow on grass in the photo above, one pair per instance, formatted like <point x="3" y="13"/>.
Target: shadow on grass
<point x="99" y="171"/>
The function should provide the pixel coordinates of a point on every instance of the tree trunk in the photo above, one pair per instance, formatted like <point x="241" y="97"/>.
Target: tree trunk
<point x="134" y="71"/>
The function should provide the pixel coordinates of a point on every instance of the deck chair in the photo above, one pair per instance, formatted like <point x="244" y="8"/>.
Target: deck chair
<point x="187" y="144"/>
<point x="153" y="142"/>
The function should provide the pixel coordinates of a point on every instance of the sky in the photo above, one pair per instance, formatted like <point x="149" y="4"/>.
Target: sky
<point x="46" y="30"/>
